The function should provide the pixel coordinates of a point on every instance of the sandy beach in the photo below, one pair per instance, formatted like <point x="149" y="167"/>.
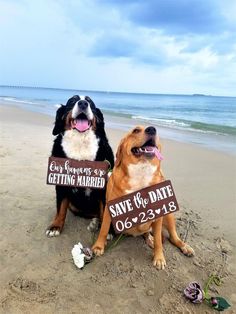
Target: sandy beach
<point x="38" y="274"/>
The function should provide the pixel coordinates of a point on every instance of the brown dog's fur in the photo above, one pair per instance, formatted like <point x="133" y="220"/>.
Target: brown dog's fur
<point x="132" y="173"/>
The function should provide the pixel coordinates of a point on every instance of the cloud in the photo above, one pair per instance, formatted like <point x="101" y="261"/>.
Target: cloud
<point x="138" y="48"/>
<point x="151" y="46"/>
<point x="162" y="32"/>
<point x="175" y="17"/>
<point x="114" y="45"/>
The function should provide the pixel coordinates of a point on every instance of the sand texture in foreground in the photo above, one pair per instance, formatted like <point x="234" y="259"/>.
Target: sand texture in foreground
<point x="37" y="273"/>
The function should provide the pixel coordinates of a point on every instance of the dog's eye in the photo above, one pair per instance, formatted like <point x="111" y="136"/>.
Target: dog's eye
<point x="136" y="130"/>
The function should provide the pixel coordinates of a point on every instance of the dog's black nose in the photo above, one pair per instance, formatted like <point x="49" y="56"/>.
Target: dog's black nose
<point x="83" y="104"/>
<point x="150" y="130"/>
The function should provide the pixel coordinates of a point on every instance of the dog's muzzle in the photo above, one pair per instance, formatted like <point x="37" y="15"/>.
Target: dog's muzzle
<point x="82" y="116"/>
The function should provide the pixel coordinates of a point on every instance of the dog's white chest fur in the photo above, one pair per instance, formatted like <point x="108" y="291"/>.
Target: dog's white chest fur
<point x="80" y="146"/>
<point x="141" y="175"/>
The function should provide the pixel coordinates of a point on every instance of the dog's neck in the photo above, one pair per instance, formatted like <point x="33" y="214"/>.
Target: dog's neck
<point x="80" y="146"/>
<point x="141" y="175"/>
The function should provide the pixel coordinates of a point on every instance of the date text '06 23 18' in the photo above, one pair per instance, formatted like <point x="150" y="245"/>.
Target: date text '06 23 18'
<point x="142" y="206"/>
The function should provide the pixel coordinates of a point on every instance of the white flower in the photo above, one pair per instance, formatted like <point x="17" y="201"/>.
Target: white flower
<point x="78" y="255"/>
<point x="81" y="255"/>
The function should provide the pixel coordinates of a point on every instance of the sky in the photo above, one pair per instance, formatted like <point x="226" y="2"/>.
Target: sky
<point x="151" y="46"/>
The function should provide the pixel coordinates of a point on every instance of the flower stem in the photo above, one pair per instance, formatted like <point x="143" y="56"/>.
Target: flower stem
<point x="212" y="278"/>
<point x="115" y="242"/>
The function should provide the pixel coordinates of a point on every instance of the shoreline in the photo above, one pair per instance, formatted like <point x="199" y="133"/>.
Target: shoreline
<point x="210" y="141"/>
<point x="218" y="143"/>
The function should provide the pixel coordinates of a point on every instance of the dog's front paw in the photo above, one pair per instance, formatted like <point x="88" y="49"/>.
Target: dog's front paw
<point x="98" y="248"/>
<point x="149" y="240"/>
<point x="110" y="237"/>
<point x="187" y="250"/>
<point x="53" y="231"/>
<point x="159" y="262"/>
<point x="93" y="225"/>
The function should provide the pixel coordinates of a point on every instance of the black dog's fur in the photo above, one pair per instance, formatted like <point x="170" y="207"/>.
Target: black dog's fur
<point x="88" y="204"/>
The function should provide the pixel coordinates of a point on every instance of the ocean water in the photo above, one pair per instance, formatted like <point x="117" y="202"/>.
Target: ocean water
<point x="206" y="120"/>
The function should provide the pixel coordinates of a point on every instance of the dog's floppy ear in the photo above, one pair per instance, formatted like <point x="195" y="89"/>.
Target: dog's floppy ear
<point x="59" y="121"/>
<point x="119" y="154"/>
<point x="100" y="125"/>
<point x="99" y="116"/>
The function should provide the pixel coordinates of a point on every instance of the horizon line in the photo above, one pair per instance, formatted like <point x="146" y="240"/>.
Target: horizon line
<point x="115" y="92"/>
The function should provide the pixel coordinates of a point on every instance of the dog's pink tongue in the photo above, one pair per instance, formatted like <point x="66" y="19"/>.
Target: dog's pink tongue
<point x="158" y="154"/>
<point x="81" y="125"/>
<point x="154" y="150"/>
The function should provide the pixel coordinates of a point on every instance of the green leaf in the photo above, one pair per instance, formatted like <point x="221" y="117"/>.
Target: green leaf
<point x="222" y="304"/>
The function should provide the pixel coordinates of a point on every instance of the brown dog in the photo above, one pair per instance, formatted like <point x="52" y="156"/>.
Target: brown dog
<point x="138" y="166"/>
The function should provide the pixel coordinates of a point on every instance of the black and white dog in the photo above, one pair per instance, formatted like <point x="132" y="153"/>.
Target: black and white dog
<point x="80" y="135"/>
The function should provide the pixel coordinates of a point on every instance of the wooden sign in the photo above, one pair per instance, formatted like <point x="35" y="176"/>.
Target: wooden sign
<point x="142" y="206"/>
<point x="70" y="172"/>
